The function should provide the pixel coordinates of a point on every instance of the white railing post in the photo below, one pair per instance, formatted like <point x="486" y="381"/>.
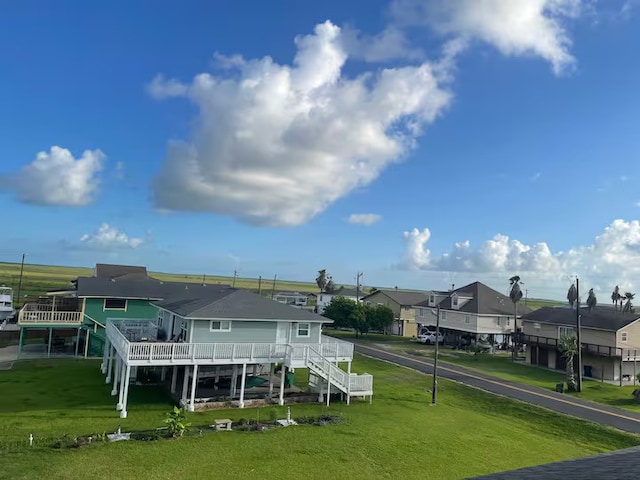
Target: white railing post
<point x="213" y="352"/>
<point x="233" y="351"/>
<point x="252" y="351"/>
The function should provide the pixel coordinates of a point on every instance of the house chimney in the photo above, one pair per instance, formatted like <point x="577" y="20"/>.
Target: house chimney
<point x="453" y="287"/>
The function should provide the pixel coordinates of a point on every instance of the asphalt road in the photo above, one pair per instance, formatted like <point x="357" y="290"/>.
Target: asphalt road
<point x="558" y="402"/>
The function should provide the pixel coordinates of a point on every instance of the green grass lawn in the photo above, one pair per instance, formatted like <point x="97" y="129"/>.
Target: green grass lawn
<point x="468" y="433"/>
<point x="500" y="365"/>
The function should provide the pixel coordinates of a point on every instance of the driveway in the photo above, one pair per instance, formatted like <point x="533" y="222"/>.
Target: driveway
<point x="591" y="411"/>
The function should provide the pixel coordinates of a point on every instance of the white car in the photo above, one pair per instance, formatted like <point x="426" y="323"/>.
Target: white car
<point x="430" y="338"/>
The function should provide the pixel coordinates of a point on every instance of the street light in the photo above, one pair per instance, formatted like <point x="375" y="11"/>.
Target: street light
<point x="434" y="391"/>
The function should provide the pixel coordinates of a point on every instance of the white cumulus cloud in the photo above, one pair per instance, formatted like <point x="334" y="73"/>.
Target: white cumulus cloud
<point x="108" y="237"/>
<point x="514" y="27"/>
<point x="276" y="144"/>
<point x="613" y="257"/>
<point x="364" y="218"/>
<point x="57" y="178"/>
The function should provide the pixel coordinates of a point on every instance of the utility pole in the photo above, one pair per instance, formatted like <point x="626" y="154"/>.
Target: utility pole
<point x="434" y="390"/>
<point x="358" y="275"/>
<point x="526" y="295"/>
<point x="260" y="285"/>
<point x="578" y="335"/>
<point x="273" y="287"/>
<point x="20" y="281"/>
<point x="235" y="274"/>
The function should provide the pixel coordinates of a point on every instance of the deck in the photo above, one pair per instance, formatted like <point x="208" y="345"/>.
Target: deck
<point x="33" y="314"/>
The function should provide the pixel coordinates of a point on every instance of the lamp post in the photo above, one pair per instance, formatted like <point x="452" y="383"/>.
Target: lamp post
<point x="434" y="391"/>
<point x="578" y="335"/>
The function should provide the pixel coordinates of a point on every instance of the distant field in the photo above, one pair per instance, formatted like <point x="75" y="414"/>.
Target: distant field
<point x="37" y="279"/>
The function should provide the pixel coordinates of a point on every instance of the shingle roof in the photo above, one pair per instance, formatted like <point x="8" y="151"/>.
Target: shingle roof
<point x="149" y="288"/>
<point x="617" y="465"/>
<point x="235" y="303"/>
<point x="602" y="318"/>
<point x="402" y="297"/>
<point x="484" y="300"/>
<point x="345" y="292"/>
<point x="107" y="270"/>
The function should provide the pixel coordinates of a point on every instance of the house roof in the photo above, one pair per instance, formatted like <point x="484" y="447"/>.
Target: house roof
<point x="127" y="287"/>
<point x="292" y="294"/>
<point x="601" y="318"/>
<point x="618" y="465"/>
<point x="484" y="300"/>
<point x="235" y="303"/>
<point x="345" y="292"/>
<point x="402" y="297"/>
<point x="107" y="270"/>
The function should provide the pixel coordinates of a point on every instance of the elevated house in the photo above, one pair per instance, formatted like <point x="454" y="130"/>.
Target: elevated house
<point x="296" y="299"/>
<point x="474" y="312"/>
<point x="222" y="339"/>
<point x="610" y="340"/>
<point x="72" y="321"/>
<point x="401" y="302"/>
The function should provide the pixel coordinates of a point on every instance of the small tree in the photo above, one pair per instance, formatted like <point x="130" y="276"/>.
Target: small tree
<point x="322" y="280"/>
<point x="379" y="317"/>
<point x="628" y="307"/>
<point x="568" y="346"/>
<point x="358" y="319"/>
<point x="616" y="297"/>
<point x="176" y="422"/>
<point x="572" y="295"/>
<point x="339" y="310"/>
<point x="591" y="300"/>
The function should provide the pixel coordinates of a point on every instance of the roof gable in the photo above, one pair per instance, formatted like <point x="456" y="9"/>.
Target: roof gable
<point x="484" y="300"/>
<point x="402" y="297"/>
<point x="109" y="271"/>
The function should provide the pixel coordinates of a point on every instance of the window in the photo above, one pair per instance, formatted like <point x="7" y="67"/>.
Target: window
<point x="566" y="332"/>
<point x="432" y="299"/>
<point x="303" y="330"/>
<point x="220" y="326"/>
<point x="443" y="315"/>
<point x="623" y="337"/>
<point x="115" y="304"/>
<point x="536" y="325"/>
<point x="467" y="319"/>
<point x="454" y="300"/>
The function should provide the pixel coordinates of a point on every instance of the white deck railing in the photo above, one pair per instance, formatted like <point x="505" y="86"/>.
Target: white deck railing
<point x="33" y="314"/>
<point x="350" y="383"/>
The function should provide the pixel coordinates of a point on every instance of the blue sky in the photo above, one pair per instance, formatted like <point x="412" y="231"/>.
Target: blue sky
<point x="468" y="140"/>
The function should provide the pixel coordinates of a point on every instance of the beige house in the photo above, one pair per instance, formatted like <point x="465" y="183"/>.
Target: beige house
<point x="473" y="312"/>
<point x="401" y="302"/>
<point x="610" y="340"/>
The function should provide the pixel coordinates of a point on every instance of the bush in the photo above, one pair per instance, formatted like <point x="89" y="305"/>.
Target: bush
<point x="176" y="422"/>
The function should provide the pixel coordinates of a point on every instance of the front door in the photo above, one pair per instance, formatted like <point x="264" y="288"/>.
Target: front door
<point x="282" y="332"/>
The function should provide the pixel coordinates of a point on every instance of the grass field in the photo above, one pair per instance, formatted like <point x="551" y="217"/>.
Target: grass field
<point x="468" y="433"/>
<point x="37" y="279"/>
<point x="500" y="365"/>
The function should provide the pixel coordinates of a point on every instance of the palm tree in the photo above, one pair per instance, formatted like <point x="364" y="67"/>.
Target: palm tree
<point x="615" y="297"/>
<point x="515" y="294"/>
<point x="322" y="280"/>
<point x="627" y="306"/>
<point x="591" y="300"/>
<point x="568" y="346"/>
<point x="572" y="294"/>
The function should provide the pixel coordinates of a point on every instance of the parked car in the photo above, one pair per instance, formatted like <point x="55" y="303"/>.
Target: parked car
<point x="430" y="338"/>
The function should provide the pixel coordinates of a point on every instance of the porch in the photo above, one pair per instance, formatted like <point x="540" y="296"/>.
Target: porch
<point x="50" y="313"/>
<point x="133" y="344"/>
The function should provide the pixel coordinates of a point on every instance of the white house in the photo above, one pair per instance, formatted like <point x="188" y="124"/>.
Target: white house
<point x="324" y="298"/>
<point x="221" y="333"/>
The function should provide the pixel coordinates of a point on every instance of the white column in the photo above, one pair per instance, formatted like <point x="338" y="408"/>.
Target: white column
<point x="86" y="344"/>
<point x="185" y="383"/>
<point x="116" y="376"/>
<point x="105" y="356"/>
<point x="328" y="386"/>
<point x="109" y="366"/>
<point x="242" y="384"/>
<point x="194" y="381"/>
<point x="349" y="367"/>
<point x="271" y="374"/>
<point x="49" y="344"/>
<point x="255" y="369"/>
<point x="123" y="412"/>
<point x="123" y="373"/>
<point x="281" y="400"/>
<point x="163" y="374"/>
<point x="174" y="379"/>
<point x="234" y="380"/>
<point x="217" y="377"/>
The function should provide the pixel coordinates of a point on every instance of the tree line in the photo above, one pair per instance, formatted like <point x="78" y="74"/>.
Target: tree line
<point x="346" y="313"/>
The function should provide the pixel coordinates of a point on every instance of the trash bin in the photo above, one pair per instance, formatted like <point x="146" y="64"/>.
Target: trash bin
<point x="288" y="379"/>
<point x="560" y="387"/>
<point x="588" y="371"/>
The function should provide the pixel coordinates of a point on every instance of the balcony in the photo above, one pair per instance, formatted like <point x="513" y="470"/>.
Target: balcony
<point x="136" y="342"/>
<point x="45" y="314"/>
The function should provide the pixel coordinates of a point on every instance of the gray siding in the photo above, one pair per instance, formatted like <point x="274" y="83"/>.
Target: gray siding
<point x="242" y="331"/>
<point x="314" y="334"/>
